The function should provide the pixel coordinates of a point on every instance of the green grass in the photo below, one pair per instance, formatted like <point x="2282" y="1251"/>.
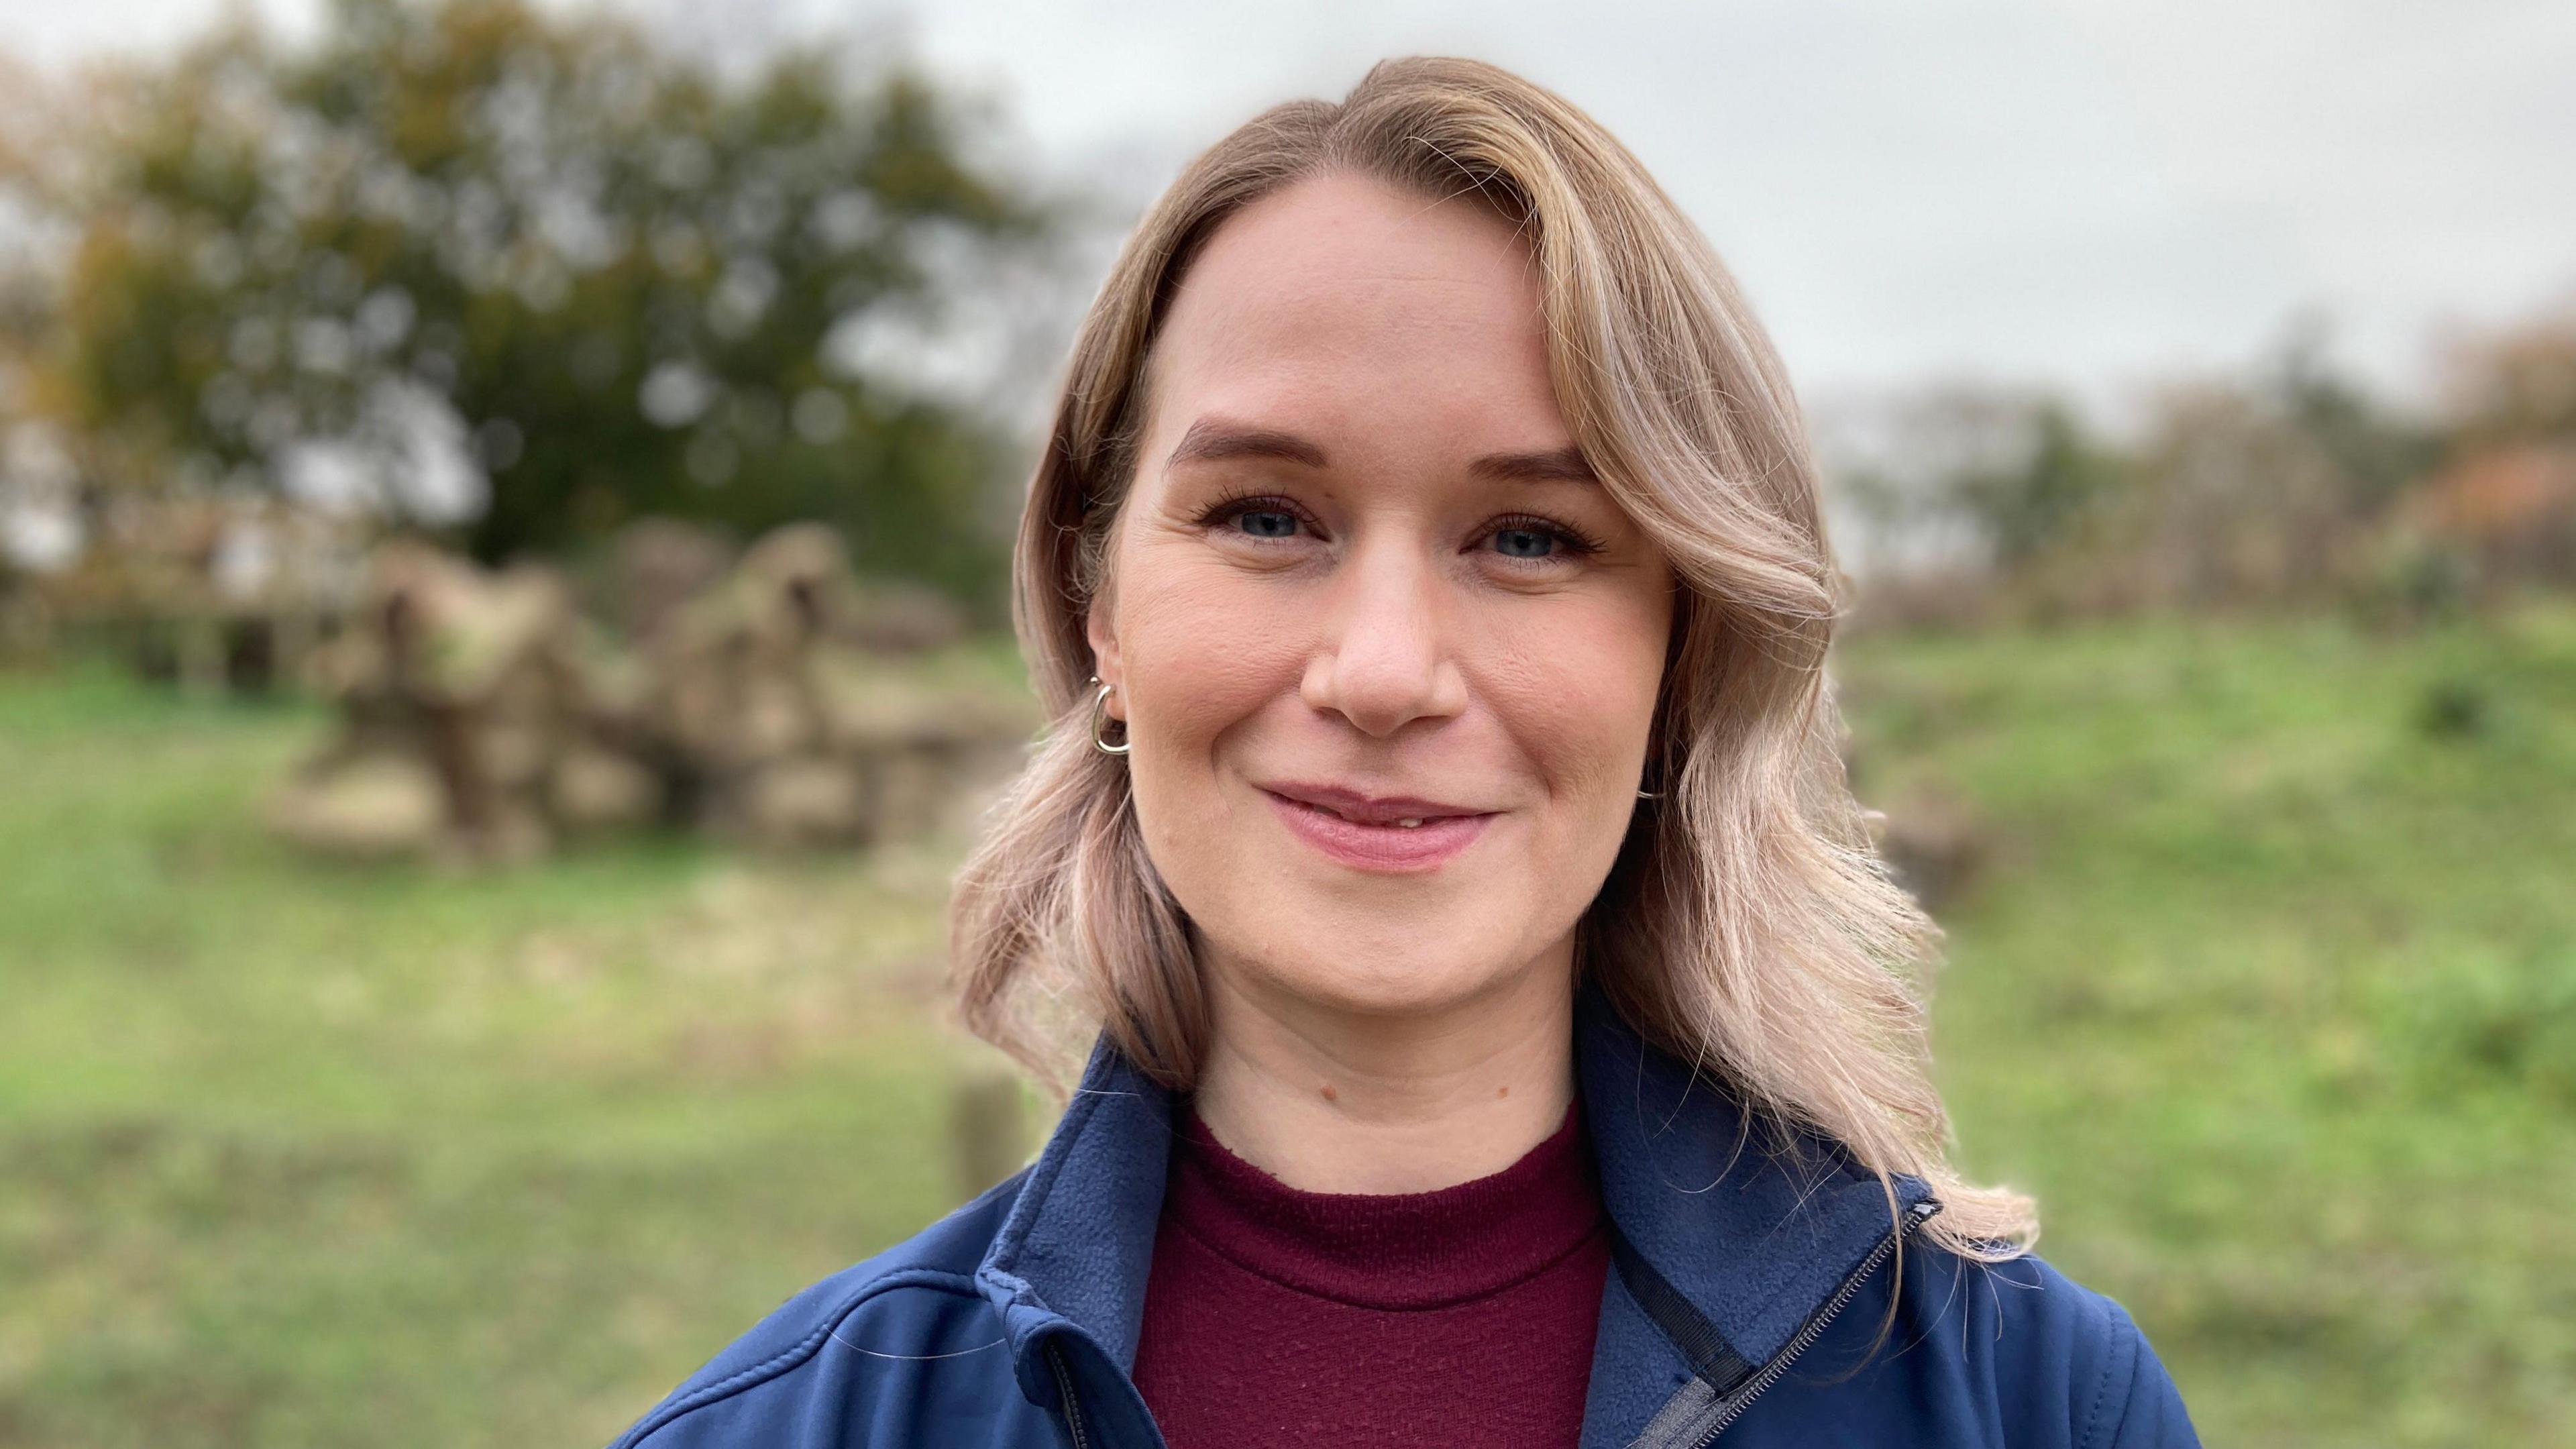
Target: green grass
<point x="292" y="1154"/>
<point x="2269" y="993"/>
<point x="2267" y="988"/>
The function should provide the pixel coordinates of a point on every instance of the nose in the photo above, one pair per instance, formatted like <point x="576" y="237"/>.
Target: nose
<point x="1384" y="658"/>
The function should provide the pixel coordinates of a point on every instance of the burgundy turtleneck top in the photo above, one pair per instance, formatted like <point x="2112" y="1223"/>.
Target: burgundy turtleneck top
<point x="1458" y="1317"/>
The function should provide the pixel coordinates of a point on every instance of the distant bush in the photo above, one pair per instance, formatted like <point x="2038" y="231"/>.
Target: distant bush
<point x="2293" y="488"/>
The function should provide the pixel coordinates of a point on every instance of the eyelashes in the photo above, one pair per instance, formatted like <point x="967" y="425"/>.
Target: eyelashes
<point x="1574" y="541"/>
<point x="1568" y="541"/>
<point x="1233" y="506"/>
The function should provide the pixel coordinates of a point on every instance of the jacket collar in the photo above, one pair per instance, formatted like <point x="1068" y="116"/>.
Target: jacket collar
<point x="1754" y="1224"/>
<point x="1073" y="1254"/>
<point x="1754" y="1228"/>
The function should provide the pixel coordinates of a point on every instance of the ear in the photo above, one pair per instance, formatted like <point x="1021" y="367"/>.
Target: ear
<point x="1105" y="660"/>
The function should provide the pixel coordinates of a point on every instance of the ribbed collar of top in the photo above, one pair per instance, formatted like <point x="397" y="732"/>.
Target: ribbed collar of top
<point x="1392" y="1250"/>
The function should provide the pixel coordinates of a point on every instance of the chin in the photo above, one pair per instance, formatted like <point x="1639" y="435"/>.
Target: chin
<point x="1378" y="967"/>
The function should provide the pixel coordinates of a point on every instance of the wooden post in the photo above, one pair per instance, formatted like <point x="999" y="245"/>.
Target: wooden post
<point x="988" y="1121"/>
<point x="200" y="654"/>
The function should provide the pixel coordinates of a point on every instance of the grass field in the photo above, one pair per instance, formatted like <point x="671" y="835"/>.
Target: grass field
<point x="2267" y="987"/>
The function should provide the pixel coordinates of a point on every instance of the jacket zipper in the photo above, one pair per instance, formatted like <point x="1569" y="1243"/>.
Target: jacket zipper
<point x="1064" y="1386"/>
<point x="1772" y="1372"/>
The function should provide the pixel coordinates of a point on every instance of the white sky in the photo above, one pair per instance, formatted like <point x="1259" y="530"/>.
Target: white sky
<point x="2091" y="193"/>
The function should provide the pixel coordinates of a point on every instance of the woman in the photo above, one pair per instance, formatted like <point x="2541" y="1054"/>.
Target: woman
<point x="1505" y="1029"/>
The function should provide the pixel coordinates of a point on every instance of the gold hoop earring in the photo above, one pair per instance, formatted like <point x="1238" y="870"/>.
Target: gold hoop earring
<point x="1100" y="717"/>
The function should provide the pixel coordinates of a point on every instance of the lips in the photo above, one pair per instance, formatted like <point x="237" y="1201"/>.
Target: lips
<point x="1364" y="809"/>
<point x="1383" y="833"/>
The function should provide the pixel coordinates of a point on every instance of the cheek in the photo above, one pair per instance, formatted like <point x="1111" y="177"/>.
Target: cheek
<point x="1205" y="654"/>
<point x="1196" y="645"/>
<point x="1203" y="648"/>
<point x="1578" y="691"/>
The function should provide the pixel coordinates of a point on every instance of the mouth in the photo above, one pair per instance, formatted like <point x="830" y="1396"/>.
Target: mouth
<point x="1381" y="833"/>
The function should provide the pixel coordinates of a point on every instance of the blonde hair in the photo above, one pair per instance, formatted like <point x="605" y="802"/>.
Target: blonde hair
<point x="1749" y="924"/>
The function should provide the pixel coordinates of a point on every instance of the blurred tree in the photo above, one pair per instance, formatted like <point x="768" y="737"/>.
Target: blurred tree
<point x="1999" y="476"/>
<point x="525" y="276"/>
<point x="2376" y="452"/>
<point x="2516" y="385"/>
<point x="2236" y="503"/>
<point x="2029" y="500"/>
<point x="2273" y="488"/>
<point x="2504" y="501"/>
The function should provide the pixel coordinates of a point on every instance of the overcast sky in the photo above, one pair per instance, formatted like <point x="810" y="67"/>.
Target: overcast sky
<point x="2092" y="194"/>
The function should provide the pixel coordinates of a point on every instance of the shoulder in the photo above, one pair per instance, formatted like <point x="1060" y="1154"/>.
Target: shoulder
<point x="821" y="1356"/>
<point x="2054" y="1361"/>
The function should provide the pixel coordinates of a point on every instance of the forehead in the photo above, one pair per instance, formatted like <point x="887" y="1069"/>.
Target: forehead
<point x="1345" y="301"/>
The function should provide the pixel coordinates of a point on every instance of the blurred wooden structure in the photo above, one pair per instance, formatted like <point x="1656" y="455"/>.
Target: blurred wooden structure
<point x="217" y="593"/>
<point x="773" y="702"/>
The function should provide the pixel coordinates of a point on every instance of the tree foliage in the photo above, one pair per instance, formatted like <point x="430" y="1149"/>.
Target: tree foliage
<point x="474" y="264"/>
<point x="1989" y="477"/>
<point x="2288" y="485"/>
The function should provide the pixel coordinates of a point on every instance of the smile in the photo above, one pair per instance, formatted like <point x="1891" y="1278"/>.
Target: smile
<point x="1391" y="834"/>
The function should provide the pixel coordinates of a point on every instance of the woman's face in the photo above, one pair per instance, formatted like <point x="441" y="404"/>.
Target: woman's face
<point x="1387" y="653"/>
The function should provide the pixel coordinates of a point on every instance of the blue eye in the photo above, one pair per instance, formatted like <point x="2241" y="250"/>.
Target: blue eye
<point x="1524" y="542"/>
<point x="1266" y="523"/>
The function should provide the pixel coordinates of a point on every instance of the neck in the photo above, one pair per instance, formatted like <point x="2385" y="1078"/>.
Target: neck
<point x="1328" y="1098"/>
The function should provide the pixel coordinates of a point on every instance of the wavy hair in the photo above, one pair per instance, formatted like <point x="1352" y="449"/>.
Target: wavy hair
<point x="1749" y="924"/>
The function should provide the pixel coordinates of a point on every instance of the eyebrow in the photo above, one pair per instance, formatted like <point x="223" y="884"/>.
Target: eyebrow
<point x="1558" y="465"/>
<point x="1213" y="438"/>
